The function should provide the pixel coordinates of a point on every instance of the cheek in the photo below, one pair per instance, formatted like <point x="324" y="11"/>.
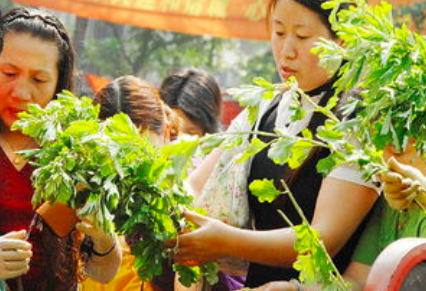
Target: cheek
<point x="311" y="61"/>
<point x="276" y="48"/>
<point x="45" y="95"/>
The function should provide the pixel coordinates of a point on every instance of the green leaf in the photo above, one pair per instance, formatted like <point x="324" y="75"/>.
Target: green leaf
<point x="280" y="150"/>
<point x="299" y="152"/>
<point x="255" y="146"/>
<point x="326" y="165"/>
<point x="264" y="190"/>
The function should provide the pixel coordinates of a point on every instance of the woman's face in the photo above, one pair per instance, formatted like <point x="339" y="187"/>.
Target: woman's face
<point x="295" y="30"/>
<point x="28" y="74"/>
<point x="188" y="126"/>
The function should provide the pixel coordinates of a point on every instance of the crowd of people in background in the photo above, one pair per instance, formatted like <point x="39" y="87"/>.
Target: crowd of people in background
<point x="37" y="61"/>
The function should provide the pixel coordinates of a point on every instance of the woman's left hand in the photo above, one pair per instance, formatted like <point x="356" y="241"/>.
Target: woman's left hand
<point x="205" y="244"/>
<point x="102" y="242"/>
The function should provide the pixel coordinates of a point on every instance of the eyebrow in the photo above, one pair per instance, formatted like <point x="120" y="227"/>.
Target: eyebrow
<point x="37" y="71"/>
<point x="276" y="21"/>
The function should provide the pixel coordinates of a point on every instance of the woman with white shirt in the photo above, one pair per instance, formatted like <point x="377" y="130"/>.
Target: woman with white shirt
<point x="336" y="204"/>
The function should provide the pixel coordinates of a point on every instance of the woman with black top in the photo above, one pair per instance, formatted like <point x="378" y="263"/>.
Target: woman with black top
<point x="336" y="205"/>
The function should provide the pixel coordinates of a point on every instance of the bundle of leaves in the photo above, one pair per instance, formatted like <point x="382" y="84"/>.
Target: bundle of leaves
<point x="388" y="64"/>
<point x="106" y="169"/>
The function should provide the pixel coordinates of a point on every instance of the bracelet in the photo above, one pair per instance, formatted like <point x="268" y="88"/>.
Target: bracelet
<point x="98" y="254"/>
<point x="297" y="284"/>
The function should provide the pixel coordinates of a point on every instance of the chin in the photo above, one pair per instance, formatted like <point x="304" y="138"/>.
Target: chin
<point x="8" y="122"/>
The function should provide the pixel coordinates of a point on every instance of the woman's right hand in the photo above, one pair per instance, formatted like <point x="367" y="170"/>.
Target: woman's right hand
<point x="402" y="184"/>
<point x="15" y="254"/>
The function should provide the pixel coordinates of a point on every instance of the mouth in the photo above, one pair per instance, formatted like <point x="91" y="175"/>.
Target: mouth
<point x="287" y="72"/>
<point x="14" y="111"/>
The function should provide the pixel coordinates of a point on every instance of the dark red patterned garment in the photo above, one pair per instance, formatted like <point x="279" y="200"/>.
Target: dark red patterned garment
<point x="16" y="210"/>
<point x="53" y="265"/>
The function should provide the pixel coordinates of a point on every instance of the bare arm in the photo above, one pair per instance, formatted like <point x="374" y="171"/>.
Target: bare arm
<point x="356" y="274"/>
<point x="199" y="176"/>
<point x="341" y="206"/>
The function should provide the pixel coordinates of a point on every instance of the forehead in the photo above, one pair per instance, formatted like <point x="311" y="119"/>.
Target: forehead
<point x="28" y="52"/>
<point x="292" y="13"/>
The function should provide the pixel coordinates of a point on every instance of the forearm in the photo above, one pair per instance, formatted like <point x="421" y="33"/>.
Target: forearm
<point x="273" y="247"/>
<point x="200" y="175"/>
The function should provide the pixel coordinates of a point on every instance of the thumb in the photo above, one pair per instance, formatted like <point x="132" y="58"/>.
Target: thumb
<point x="194" y="217"/>
<point x="406" y="170"/>
<point x="22" y="234"/>
<point x="396" y="166"/>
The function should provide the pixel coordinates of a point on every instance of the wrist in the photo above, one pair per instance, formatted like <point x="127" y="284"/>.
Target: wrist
<point x="104" y="254"/>
<point x="227" y="240"/>
<point x="296" y="284"/>
<point x="105" y="244"/>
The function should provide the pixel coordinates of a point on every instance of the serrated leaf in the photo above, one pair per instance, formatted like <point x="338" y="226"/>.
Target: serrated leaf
<point x="264" y="190"/>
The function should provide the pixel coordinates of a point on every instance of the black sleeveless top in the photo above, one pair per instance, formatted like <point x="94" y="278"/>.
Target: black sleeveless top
<point x="305" y="187"/>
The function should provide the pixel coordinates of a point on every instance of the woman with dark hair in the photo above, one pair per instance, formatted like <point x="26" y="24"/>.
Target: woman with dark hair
<point x="336" y="205"/>
<point x="142" y="103"/>
<point x="195" y="96"/>
<point x="36" y="62"/>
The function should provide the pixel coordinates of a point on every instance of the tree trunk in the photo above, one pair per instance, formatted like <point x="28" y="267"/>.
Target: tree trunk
<point x="79" y="38"/>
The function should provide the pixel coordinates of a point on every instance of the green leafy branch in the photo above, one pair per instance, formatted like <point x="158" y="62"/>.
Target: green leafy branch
<point x="313" y="261"/>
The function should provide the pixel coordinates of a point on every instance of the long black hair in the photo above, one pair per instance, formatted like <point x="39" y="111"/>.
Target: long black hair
<point x="48" y="28"/>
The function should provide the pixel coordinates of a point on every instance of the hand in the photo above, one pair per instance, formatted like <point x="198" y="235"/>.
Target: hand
<point x="102" y="242"/>
<point x="402" y="184"/>
<point x="275" y="286"/>
<point x="202" y="245"/>
<point x="15" y="254"/>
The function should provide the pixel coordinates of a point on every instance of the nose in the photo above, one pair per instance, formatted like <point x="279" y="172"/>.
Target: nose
<point x="21" y="90"/>
<point x="289" y="49"/>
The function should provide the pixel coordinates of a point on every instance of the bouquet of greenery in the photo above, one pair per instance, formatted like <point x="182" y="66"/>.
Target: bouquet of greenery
<point x="108" y="170"/>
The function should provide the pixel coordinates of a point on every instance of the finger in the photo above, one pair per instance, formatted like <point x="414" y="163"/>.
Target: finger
<point x="6" y="244"/>
<point x="22" y="234"/>
<point x="411" y="192"/>
<point x="395" y="188"/>
<point x="86" y="228"/>
<point x="86" y="218"/>
<point x="190" y="263"/>
<point x="396" y="166"/>
<point x="195" y="217"/>
<point x="391" y="177"/>
<point x="13" y="274"/>
<point x="406" y="170"/>
<point x="16" y="265"/>
<point x="188" y="254"/>
<point x="170" y="243"/>
<point x="15" y="255"/>
<point x="398" y="204"/>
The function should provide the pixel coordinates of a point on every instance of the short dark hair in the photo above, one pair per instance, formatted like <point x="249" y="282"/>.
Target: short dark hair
<point x="197" y="94"/>
<point x="49" y="28"/>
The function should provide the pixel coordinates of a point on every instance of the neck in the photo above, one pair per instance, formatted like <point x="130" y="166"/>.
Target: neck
<point x="13" y="137"/>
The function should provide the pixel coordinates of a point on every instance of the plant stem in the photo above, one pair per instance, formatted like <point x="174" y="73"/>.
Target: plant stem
<point x="336" y="274"/>
<point x="318" y="108"/>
